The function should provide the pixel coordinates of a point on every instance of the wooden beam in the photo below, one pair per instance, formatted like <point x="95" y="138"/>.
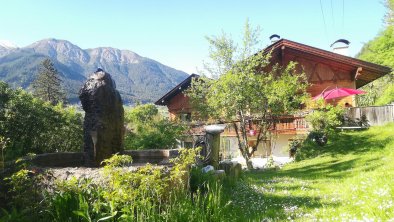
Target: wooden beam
<point x="317" y="73"/>
<point x="358" y="73"/>
<point x="313" y="72"/>
<point x="283" y="55"/>
<point x="336" y="77"/>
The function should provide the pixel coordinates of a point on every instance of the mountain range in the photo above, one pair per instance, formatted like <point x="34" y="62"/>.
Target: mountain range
<point x="137" y="78"/>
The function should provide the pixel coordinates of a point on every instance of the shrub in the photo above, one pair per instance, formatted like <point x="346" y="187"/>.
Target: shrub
<point x="32" y="125"/>
<point x="319" y="137"/>
<point x="308" y="149"/>
<point x="148" y="194"/>
<point x="77" y="200"/>
<point x="147" y="129"/>
<point x="117" y="161"/>
<point x="323" y="120"/>
<point x="325" y="117"/>
<point x="21" y="191"/>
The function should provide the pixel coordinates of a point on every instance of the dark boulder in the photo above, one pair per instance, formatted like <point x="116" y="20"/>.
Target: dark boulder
<point x="104" y="118"/>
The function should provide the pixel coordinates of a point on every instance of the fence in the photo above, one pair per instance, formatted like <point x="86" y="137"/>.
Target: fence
<point x="376" y="115"/>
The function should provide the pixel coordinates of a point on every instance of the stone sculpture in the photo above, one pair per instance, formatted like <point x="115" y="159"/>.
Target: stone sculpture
<point x="104" y="118"/>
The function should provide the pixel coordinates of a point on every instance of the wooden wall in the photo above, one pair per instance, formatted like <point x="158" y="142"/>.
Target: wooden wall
<point x="376" y="115"/>
<point x="324" y="75"/>
<point x="178" y="104"/>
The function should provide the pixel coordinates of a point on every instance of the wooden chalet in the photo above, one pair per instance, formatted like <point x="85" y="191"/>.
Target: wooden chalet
<point x="176" y="100"/>
<point x="324" y="70"/>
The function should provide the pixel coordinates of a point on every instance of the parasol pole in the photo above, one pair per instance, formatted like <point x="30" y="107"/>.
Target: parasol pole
<point x="322" y="93"/>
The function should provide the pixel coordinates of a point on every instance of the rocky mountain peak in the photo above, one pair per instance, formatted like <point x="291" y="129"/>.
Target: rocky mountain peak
<point x="110" y="55"/>
<point x="7" y="47"/>
<point x="60" y="49"/>
<point x="7" y="44"/>
<point x="138" y="78"/>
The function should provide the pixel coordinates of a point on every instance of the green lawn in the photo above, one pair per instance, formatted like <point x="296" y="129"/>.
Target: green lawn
<point x="352" y="179"/>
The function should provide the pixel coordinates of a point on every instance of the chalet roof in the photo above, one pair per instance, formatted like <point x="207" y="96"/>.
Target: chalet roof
<point x="177" y="89"/>
<point x="370" y="71"/>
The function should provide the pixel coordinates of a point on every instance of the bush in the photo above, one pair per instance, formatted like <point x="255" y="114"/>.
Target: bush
<point x="308" y="149"/>
<point x="148" y="194"/>
<point x="147" y="129"/>
<point x="324" y="119"/>
<point x="319" y="137"/>
<point x="35" y="126"/>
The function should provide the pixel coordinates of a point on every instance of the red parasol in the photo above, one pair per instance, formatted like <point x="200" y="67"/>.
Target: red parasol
<point x="338" y="92"/>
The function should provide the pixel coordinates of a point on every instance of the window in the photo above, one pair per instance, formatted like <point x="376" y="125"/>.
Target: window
<point x="225" y="148"/>
<point x="185" y="117"/>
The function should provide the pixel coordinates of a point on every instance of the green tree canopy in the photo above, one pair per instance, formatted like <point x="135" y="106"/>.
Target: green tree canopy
<point x="243" y="92"/>
<point x="35" y="126"/>
<point x="147" y="129"/>
<point x="47" y="86"/>
<point x="380" y="50"/>
<point x="389" y="18"/>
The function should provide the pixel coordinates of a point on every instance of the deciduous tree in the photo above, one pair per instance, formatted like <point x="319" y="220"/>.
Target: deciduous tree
<point x="380" y="50"/>
<point x="244" y="93"/>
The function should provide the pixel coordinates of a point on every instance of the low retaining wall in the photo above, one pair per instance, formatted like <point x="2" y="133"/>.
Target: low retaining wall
<point x="157" y="156"/>
<point x="66" y="159"/>
<point x="77" y="159"/>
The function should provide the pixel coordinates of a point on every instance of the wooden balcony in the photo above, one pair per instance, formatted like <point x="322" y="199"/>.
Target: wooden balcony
<point x="292" y="125"/>
<point x="286" y="125"/>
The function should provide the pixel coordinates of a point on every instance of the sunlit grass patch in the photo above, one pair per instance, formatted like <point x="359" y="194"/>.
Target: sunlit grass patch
<point x="350" y="180"/>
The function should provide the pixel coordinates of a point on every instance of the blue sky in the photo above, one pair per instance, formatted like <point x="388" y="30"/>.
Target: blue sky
<point x="173" y="31"/>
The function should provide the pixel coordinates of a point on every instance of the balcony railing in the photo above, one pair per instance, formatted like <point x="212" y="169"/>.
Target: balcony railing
<point x="292" y="123"/>
<point x="286" y="125"/>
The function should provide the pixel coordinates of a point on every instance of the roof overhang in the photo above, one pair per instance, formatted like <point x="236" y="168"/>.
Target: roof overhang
<point x="163" y="101"/>
<point x="364" y="72"/>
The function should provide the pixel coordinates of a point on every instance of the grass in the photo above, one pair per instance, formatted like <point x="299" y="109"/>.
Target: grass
<point x="351" y="179"/>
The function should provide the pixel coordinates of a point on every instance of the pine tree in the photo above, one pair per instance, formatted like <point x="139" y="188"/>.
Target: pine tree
<point x="47" y="85"/>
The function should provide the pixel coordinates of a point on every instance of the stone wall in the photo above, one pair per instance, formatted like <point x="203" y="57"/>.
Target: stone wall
<point x="78" y="159"/>
<point x="155" y="156"/>
<point x="59" y="159"/>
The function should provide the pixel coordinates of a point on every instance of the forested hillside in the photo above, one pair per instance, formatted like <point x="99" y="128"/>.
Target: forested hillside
<point x="380" y="50"/>
<point x="137" y="78"/>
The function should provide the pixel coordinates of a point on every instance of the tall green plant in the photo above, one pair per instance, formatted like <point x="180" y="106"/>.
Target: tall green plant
<point x="325" y="117"/>
<point x="147" y="194"/>
<point x="33" y="125"/>
<point x="380" y="50"/>
<point x="245" y="93"/>
<point x="147" y="129"/>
